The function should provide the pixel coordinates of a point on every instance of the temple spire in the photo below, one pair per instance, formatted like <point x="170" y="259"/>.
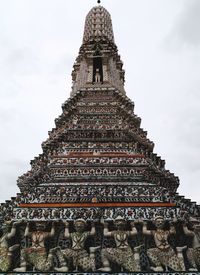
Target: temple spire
<point x="98" y="62"/>
<point x="98" y="25"/>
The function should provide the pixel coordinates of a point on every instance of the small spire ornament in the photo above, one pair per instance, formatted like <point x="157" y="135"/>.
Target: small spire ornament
<point x="98" y="1"/>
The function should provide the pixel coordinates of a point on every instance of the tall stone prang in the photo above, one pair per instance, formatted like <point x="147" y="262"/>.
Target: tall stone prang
<point x="99" y="199"/>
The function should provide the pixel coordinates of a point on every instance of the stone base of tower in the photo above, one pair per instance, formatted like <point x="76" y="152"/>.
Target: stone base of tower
<point x="96" y="273"/>
<point x="124" y="235"/>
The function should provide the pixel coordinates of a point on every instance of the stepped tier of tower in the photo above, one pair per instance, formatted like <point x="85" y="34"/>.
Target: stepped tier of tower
<point x="98" y="155"/>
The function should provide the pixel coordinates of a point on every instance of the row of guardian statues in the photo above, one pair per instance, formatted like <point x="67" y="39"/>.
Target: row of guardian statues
<point x="76" y="256"/>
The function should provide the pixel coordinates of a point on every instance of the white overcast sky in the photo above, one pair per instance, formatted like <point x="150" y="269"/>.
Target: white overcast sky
<point x="159" y="42"/>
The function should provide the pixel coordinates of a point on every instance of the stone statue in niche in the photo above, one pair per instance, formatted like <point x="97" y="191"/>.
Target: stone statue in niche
<point x="36" y="255"/>
<point x="97" y="76"/>
<point x="163" y="254"/>
<point x="193" y="253"/>
<point x="122" y="254"/>
<point x="5" y="250"/>
<point x="81" y="258"/>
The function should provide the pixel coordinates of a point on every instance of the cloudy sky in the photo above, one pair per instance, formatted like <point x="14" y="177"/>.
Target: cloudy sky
<point x="159" y="42"/>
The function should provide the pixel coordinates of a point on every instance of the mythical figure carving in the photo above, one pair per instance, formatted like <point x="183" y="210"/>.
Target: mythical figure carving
<point x="5" y="250"/>
<point x="81" y="258"/>
<point x="163" y="254"/>
<point x="122" y="254"/>
<point x="193" y="253"/>
<point x="97" y="76"/>
<point x="36" y="255"/>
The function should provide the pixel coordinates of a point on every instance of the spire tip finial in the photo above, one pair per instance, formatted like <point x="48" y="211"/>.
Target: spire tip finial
<point x="98" y="1"/>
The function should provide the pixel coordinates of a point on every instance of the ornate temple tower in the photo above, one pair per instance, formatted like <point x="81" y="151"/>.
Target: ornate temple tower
<point x="98" y="199"/>
<point x="98" y="62"/>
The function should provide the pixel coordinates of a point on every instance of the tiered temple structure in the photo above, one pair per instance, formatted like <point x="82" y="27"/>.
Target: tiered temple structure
<point x="98" y="199"/>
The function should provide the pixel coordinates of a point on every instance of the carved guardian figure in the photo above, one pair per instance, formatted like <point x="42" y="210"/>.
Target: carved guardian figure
<point x="122" y="254"/>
